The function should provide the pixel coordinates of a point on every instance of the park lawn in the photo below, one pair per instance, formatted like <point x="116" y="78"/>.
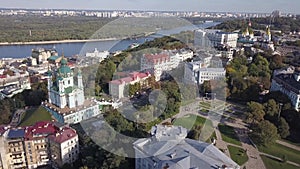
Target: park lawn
<point x="238" y="154"/>
<point x="275" y="164"/>
<point x="32" y="116"/>
<point x="228" y="134"/>
<point x="279" y="150"/>
<point x="191" y="120"/>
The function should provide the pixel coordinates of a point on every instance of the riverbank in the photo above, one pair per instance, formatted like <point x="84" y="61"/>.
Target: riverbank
<point x="59" y="41"/>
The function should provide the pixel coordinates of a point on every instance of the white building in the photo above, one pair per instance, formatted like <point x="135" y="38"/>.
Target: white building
<point x="207" y="38"/>
<point x="207" y="74"/>
<point x="66" y="100"/>
<point x="201" y="72"/>
<point x="169" y="149"/>
<point x="64" y="147"/>
<point x="117" y="86"/>
<point x="289" y="84"/>
<point x="41" y="55"/>
<point x="101" y="55"/>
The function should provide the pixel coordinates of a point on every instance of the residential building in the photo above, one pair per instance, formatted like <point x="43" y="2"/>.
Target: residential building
<point x="14" y="156"/>
<point x="66" y="102"/>
<point x="64" y="147"/>
<point x="214" y="38"/>
<point x="289" y="84"/>
<point x="201" y="72"/>
<point x="117" y="86"/>
<point x="168" y="148"/>
<point x="41" y="55"/>
<point x="35" y="146"/>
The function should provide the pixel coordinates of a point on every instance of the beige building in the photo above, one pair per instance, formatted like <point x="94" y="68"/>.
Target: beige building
<point x="43" y="144"/>
<point x="117" y="87"/>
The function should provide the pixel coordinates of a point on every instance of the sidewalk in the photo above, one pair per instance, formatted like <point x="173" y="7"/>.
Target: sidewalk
<point x="288" y="145"/>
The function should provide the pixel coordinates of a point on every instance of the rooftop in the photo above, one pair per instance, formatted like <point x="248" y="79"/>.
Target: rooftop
<point x="132" y="77"/>
<point x="289" y="82"/>
<point x="65" y="134"/>
<point x="189" y="152"/>
<point x="67" y="110"/>
<point x="154" y="57"/>
<point x="16" y="133"/>
<point x="40" y="129"/>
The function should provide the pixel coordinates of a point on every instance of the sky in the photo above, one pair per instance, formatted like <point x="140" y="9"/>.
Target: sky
<point x="285" y="6"/>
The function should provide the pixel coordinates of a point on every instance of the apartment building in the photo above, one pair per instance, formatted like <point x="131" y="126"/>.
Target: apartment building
<point x="34" y="146"/>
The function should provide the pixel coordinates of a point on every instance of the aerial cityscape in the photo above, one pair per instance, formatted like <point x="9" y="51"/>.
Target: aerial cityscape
<point x="150" y="84"/>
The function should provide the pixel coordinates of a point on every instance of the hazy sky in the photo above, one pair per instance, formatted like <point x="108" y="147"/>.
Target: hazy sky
<point x="289" y="6"/>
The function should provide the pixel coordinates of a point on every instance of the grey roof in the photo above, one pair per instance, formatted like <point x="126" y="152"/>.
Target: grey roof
<point x="16" y="133"/>
<point x="288" y="79"/>
<point x="199" y="154"/>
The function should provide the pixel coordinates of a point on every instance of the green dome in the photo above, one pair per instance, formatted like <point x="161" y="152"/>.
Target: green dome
<point x="64" y="69"/>
<point x="59" y="78"/>
<point x="63" y="61"/>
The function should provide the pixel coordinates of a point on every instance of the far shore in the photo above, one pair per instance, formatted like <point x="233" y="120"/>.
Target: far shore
<point x="58" y="41"/>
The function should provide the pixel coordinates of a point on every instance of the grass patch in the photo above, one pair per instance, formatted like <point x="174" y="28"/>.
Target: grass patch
<point x="238" y="155"/>
<point x="190" y="120"/>
<point x="195" y="122"/>
<point x="279" y="150"/>
<point x="32" y="116"/>
<point x="275" y="164"/>
<point x="228" y="134"/>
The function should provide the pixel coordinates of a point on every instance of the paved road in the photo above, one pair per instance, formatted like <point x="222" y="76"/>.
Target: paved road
<point x="288" y="145"/>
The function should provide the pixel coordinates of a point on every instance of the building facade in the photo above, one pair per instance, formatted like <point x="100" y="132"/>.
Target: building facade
<point x="34" y="146"/>
<point x="289" y="84"/>
<point x="117" y="87"/>
<point x="214" y="38"/>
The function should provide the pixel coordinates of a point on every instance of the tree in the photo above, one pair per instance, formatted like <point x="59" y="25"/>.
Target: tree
<point x="271" y="108"/>
<point x="256" y="112"/>
<point x="283" y="128"/>
<point x="265" y="133"/>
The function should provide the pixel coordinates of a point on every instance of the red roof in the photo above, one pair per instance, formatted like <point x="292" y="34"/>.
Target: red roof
<point x="65" y="134"/>
<point x="155" y="58"/>
<point x="40" y="129"/>
<point x="132" y="77"/>
<point x="50" y="130"/>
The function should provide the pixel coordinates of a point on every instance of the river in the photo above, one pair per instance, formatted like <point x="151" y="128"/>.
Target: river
<point x="74" y="48"/>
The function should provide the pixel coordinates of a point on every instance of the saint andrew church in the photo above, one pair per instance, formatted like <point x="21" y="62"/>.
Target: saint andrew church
<point x="66" y="102"/>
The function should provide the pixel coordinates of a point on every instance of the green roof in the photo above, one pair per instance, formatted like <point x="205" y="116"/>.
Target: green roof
<point x="68" y="90"/>
<point x="63" y="61"/>
<point x="64" y="69"/>
<point x="59" y="78"/>
<point x="53" y="58"/>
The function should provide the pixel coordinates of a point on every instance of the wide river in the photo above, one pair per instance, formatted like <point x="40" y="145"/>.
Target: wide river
<point x="74" y="48"/>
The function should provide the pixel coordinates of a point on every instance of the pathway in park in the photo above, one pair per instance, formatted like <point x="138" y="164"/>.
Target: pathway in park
<point x="288" y="145"/>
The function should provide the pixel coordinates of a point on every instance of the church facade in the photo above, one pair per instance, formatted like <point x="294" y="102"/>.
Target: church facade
<point x="66" y="102"/>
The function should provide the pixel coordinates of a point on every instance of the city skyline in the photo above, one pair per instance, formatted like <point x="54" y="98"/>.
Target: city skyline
<point x="285" y="6"/>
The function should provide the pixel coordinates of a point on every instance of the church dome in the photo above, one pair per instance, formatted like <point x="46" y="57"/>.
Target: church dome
<point x="64" y="68"/>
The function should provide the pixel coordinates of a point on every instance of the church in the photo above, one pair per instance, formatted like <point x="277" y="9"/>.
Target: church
<point x="66" y="101"/>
